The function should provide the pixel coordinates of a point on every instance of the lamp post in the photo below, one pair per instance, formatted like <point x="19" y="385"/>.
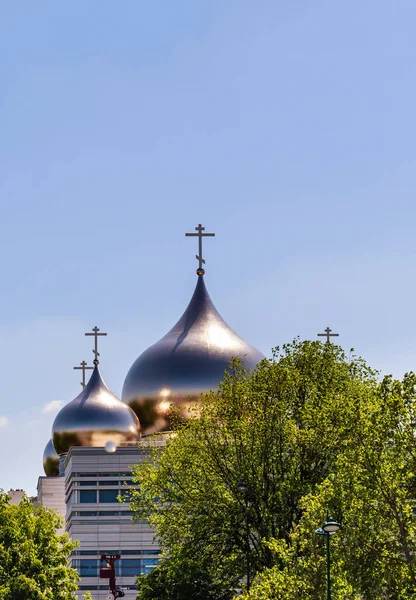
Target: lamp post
<point x="243" y="490"/>
<point x="328" y="528"/>
<point x="109" y="572"/>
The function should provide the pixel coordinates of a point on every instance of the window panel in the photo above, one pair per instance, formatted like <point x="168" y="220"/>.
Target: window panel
<point x="150" y="562"/>
<point x="125" y="494"/>
<point x="88" y="567"/>
<point x="108" y="495"/>
<point x="86" y="496"/>
<point x="72" y="497"/>
<point x="131" y="562"/>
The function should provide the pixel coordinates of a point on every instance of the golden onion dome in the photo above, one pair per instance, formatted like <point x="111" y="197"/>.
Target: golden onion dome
<point x="50" y="460"/>
<point x="189" y="360"/>
<point x="96" y="416"/>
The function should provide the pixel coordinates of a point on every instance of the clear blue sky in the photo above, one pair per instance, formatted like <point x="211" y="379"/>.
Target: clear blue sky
<point x="288" y="128"/>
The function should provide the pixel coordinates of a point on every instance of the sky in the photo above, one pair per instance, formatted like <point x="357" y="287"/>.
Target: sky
<point x="287" y="128"/>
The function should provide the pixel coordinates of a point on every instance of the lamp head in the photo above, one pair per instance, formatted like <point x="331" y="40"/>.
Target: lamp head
<point x="242" y="488"/>
<point x="331" y="526"/>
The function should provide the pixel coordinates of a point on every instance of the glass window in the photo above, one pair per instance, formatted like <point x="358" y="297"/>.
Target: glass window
<point x="108" y="495"/>
<point x="88" y="567"/>
<point x="125" y="494"/>
<point x="87" y="496"/>
<point x="84" y="513"/>
<point x="131" y="566"/>
<point x="72" y="497"/>
<point x="84" y="483"/>
<point x="108" y="482"/>
<point x="150" y="562"/>
<point x="132" y="562"/>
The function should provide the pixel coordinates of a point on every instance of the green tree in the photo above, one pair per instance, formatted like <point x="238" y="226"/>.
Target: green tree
<point x="282" y="431"/>
<point x="372" y="490"/>
<point x="33" y="558"/>
<point x="174" y="580"/>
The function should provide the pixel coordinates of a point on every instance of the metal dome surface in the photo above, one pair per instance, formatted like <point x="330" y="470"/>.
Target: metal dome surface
<point x="94" y="418"/>
<point x="189" y="360"/>
<point x="50" y="460"/>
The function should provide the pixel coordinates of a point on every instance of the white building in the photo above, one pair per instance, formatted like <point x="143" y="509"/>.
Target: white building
<point x="94" y="480"/>
<point x="16" y="496"/>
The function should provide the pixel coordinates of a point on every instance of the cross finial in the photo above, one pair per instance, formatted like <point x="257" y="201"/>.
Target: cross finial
<point x="95" y="333"/>
<point x="200" y="235"/>
<point x="83" y="368"/>
<point x="328" y="334"/>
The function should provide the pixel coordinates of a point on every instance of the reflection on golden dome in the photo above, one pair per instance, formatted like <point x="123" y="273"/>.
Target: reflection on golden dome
<point x="187" y="361"/>
<point x="50" y="460"/>
<point x="94" y="418"/>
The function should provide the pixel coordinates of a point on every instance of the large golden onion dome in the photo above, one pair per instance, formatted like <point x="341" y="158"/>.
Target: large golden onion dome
<point x="187" y="361"/>
<point x="50" y="460"/>
<point x="96" y="416"/>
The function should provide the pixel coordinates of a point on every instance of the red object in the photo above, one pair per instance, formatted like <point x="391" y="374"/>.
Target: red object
<point x="106" y="572"/>
<point x="109" y="572"/>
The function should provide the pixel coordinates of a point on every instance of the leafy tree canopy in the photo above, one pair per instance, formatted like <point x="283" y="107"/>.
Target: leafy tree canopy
<point x="372" y="490"/>
<point x="33" y="558"/>
<point x="177" y="580"/>
<point x="311" y="430"/>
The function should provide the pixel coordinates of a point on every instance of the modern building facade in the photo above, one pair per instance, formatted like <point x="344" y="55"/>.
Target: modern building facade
<point x="94" y="482"/>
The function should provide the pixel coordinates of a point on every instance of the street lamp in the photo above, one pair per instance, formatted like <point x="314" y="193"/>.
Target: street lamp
<point x="109" y="572"/>
<point x="243" y="490"/>
<point x="328" y="528"/>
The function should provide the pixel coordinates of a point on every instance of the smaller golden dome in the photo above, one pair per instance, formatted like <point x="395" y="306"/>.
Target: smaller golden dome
<point x="96" y="416"/>
<point x="50" y="460"/>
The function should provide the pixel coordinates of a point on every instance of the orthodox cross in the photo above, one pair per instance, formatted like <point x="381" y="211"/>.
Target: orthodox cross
<point x="328" y="334"/>
<point x="96" y="336"/>
<point x="200" y="235"/>
<point x="83" y="368"/>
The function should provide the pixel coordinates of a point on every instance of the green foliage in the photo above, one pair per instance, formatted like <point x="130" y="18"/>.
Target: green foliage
<point x="372" y="491"/>
<point x="174" y="580"/>
<point x="33" y="559"/>
<point x="87" y="596"/>
<point x="308" y="431"/>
